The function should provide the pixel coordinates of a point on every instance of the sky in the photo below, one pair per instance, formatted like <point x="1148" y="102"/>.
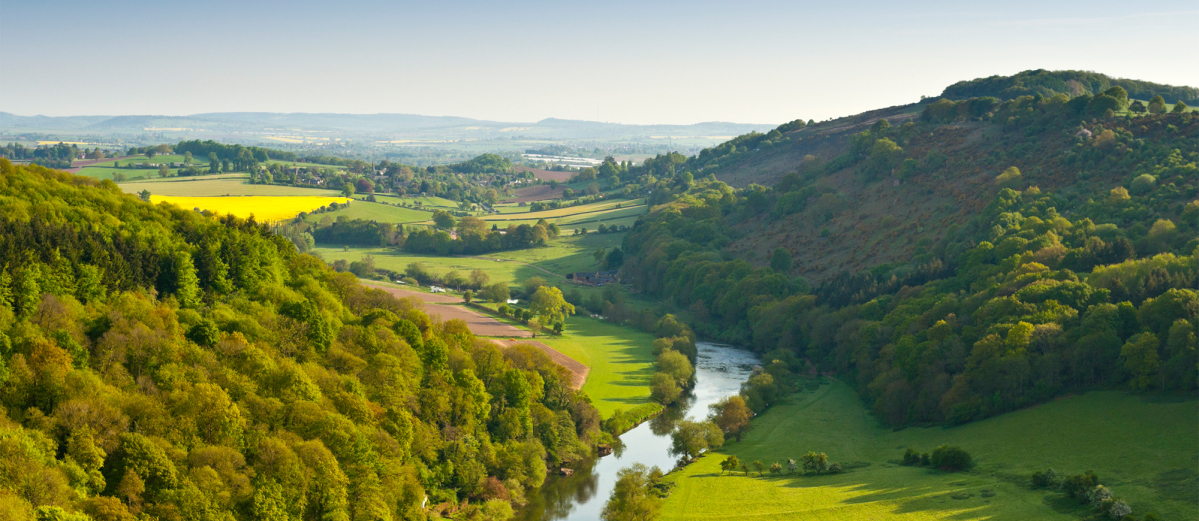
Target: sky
<point x="635" y="62"/>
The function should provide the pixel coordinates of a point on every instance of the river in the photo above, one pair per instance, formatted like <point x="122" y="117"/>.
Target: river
<point x="719" y="371"/>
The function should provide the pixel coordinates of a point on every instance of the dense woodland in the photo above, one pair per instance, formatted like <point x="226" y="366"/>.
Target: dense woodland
<point x="1065" y="286"/>
<point x="1071" y="83"/>
<point x="161" y="361"/>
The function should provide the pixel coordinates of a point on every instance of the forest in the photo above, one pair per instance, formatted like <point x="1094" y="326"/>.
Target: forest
<point x="163" y="362"/>
<point x="1059" y="284"/>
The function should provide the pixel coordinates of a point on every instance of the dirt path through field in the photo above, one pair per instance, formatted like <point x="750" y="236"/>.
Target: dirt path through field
<point x="483" y="325"/>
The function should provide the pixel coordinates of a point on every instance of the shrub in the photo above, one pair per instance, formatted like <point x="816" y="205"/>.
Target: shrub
<point x="1078" y="485"/>
<point x="1142" y="184"/>
<point x="835" y="468"/>
<point x="1047" y="479"/>
<point x="1011" y="175"/>
<point x="951" y="459"/>
<point x="910" y="458"/>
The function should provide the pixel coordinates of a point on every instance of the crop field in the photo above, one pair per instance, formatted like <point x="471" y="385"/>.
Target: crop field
<point x="1154" y="473"/>
<point x="620" y="360"/>
<point x="375" y="212"/>
<point x="569" y="210"/>
<point x="263" y="208"/>
<point x="218" y="186"/>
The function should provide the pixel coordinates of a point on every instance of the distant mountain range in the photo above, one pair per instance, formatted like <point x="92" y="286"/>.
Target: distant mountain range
<point x="399" y="125"/>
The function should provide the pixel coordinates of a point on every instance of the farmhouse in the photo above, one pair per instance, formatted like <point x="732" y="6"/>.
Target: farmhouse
<point x="594" y="278"/>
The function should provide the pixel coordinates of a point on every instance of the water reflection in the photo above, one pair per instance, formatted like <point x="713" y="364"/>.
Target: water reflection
<point x="719" y="372"/>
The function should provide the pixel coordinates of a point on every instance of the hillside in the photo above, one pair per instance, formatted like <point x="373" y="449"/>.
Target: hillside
<point x="162" y="363"/>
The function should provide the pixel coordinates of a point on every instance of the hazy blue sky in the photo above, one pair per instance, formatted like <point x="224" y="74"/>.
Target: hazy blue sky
<point x="629" y="62"/>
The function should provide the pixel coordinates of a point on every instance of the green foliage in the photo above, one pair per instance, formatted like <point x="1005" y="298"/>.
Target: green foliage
<point x="632" y="497"/>
<point x="217" y="373"/>
<point x="952" y="459"/>
<point x="690" y="439"/>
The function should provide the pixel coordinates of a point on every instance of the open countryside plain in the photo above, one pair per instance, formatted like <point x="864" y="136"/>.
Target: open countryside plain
<point x="1070" y="435"/>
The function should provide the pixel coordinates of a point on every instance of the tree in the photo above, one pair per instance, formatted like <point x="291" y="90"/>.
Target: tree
<point x="951" y="459"/>
<point x="780" y="260"/>
<point x="663" y="389"/>
<point x="1179" y="107"/>
<point x="1141" y="359"/>
<point x="164" y="170"/>
<point x="548" y="303"/>
<point x="759" y="466"/>
<point x="690" y="438"/>
<point x="633" y="498"/>
<point x="347" y="190"/>
<point x="467" y="295"/>
<point x="776" y="468"/>
<point x="1157" y="105"/>
<point x="729" y="464"/>
<point x="731" y="415"/>
<point x="815" y="462"/>
<point x="791" y="466"/>
<point x="443" y="220"/>
<point x="479" y="278"/>
<point x="676" y="365"/>
<point x="497" y="292"/>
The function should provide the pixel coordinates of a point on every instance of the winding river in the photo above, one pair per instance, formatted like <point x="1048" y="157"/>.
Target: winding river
<point x="719" y="372"/>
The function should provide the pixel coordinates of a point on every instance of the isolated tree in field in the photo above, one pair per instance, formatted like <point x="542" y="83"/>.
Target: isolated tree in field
<point x="633" y="498"/>
<point x="1141" y="360"/>
<point x="745" y="468"/>
<point x="692" y="438"/>
<point x="951" y="459"/>
<point x="780" y="260"/>
<point x="731" y="415"/>
<point x="1179" y="107"/>
<point x="815" y="462"/>
<point x="347" y="190"/>
<point x="164" y="171"/>
<point x="791" y="466"/>
<point x="729" y="464"/>
<point x="1157" y="105"/>
<point x="759" y="466"/>
<point x="467" y="295"/>
<point x="549" y="304"/>
<point x="775" y="468"/>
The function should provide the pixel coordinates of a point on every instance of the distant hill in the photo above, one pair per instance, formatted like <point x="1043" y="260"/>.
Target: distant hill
<point x="1071" y="83"/>
<point x="382" y="125"/>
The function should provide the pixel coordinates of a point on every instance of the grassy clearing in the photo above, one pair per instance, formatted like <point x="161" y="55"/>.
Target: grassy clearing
<point x="219" y="186"/>
<point x="619" y="358"/>
<point x="263" y="208"/>
<point x="375" y="212"/>
<point x="1154" y="472"/>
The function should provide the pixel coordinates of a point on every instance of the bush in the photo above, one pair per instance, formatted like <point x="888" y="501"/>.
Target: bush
<point x="910" y="458"/>
<point x="951" y="459"/>
<point x="1143" y="184"/>
<point x="1078" y="485"/>
<point x="835" y="468"/>
<point x="663" y="389"/>
<point x="1047" y="479"/>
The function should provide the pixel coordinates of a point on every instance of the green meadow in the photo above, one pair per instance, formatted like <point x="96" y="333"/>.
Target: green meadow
<point x="218" y="185"/>
<point x="369" y="211"/>
<point x="620" y="361"/>
<point x="1132" y="442"/>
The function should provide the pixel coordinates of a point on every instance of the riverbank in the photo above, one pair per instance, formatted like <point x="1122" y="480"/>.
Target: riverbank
<point x="1062" y="435"/>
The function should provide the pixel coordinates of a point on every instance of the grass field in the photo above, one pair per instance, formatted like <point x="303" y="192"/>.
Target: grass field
<point x="564" y="255"/>
<point x="619" y="358"/>
<point x="376" y="212"/>
<point x="263" y="208"/>
<point x="212" y="186"/>
<point x="1154" y="471"/>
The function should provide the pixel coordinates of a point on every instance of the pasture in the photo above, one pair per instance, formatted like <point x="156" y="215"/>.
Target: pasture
<point x="219" y="185"/>
<point x="1155" y="472"/>
<point x="369" y="211"/>
<point x="263" y="208"/>
<point x="619" y="358"/>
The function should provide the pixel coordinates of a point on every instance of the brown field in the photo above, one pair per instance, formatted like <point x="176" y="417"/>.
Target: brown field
<point x="445" y="307"/>
<point x="535" y="193"/>
<point x="548" y="175"/>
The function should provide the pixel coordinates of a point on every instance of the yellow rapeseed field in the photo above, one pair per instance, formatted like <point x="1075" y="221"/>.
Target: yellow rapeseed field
<point x="263" y="207"/>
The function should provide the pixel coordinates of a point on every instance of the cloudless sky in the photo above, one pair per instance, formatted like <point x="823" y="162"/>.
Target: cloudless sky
<point x="524" y="60"/>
